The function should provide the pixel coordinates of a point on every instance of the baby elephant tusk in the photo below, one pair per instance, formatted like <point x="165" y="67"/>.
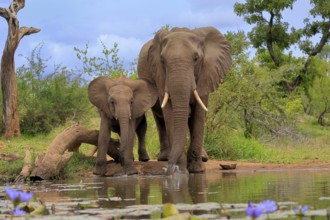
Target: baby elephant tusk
<point x="199" y="100"/>
<point x="165" y="100"/>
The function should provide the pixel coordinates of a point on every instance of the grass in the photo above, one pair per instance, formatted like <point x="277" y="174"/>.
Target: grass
<point x="311" y="143"/>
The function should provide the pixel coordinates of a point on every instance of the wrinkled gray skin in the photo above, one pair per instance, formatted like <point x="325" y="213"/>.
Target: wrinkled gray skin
<point x="122" y="103"/>
<point x="178" y="62"/>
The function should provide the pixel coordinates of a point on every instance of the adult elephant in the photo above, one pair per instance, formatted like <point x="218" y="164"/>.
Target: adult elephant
<point x="186" y="66"/>
<point x="122" y="103"/>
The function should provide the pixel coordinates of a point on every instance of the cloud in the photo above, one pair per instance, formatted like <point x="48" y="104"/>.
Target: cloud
<point x="216" y="17"/>
<point x="56" y="53"/>
<point x="129" y="48"/>
<point x="62" y="53"/>
<point x="65" y="25"/>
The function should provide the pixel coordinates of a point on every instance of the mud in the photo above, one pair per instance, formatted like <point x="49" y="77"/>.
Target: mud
<point x="157" y="167"/>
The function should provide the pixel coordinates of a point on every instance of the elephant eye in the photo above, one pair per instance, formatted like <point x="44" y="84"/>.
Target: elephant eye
<point x="196" y="57"/>
<point x="131" y="102"/>
<point x="162" y="60"/>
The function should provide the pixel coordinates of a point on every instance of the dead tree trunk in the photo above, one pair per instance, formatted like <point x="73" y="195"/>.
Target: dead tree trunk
<point x="59" y="152"/>
<point x="10" y="118"/>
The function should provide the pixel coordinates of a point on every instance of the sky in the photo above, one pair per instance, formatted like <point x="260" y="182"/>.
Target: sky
<point x="130" y="23"/>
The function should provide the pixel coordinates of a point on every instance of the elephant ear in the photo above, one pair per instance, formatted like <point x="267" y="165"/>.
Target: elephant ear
<point x="145" y="96"/>
<point x="98" y="93"/>
<point x="156" y="67"/>
<point x="216" y="62"/>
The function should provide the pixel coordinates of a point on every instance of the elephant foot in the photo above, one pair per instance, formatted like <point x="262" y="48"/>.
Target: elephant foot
<point x="171" y="169"/>
<point x="144" y="157"/>
<point x="196" y="166"/>
<point x="204" y="155"/>
<point x="130" y="170"/>
<point x="163" y="155"/>
<point x="100" y="169"/>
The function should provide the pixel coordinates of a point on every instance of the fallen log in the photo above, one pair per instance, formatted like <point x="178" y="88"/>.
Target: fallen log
<point x="49" y="164"/>
<point x="27" y="167"/>
<point x="9" y="157"/>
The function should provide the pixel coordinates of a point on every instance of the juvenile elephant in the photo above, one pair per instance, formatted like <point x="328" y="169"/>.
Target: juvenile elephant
<point x="186" y="66"/>
<point x="122" y="103"/>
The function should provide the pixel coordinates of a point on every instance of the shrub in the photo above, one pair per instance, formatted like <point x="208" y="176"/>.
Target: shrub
<point x="228" y="144"/>
<point x="47" y="100"/>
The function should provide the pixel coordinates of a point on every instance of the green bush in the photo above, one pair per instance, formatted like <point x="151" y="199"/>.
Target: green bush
<point x="227" y="144"/>
<point x="47" y="100"/>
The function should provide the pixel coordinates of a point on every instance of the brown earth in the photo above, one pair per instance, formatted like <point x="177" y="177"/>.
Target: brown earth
<point x="214" y="164"/>
<point x="156" y="167"/>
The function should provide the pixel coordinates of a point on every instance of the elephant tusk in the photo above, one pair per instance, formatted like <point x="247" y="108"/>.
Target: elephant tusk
<point x="165" y="100"/>
<point x="199" y="100"/>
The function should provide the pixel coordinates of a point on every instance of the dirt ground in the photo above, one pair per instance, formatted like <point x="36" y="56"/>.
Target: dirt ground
<point x="156" y="167"/>
<point x="240" y="166"/>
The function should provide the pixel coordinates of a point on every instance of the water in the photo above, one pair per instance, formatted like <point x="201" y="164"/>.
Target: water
<point x="210" y="195"/>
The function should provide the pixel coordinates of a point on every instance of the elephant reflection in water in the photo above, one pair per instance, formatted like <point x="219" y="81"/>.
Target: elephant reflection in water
<point x="185" y="189"/>
<point x="178" y="188"/>
<point x="123" y="192"/>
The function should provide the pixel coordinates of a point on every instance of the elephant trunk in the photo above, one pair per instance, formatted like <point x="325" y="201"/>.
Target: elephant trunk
<point x="180" y="90"/>
<point x="124" y="123"/>
<point x="196" y="95"/>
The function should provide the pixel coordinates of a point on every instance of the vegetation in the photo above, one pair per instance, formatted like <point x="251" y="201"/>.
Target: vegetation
<point x="272" y="107"/>
<point x="10" y="119"/>
<point x="49" y="99"/>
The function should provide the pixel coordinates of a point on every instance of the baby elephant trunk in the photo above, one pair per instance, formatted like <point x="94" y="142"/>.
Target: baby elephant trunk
<point x="126" y="137"/>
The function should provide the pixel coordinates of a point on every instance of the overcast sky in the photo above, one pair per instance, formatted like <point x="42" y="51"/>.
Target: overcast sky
<point x="74" y="23"/>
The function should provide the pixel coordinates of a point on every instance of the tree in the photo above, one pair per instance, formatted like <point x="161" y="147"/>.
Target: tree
<point x="319" y="92"/>
<point x="250" y="99"/>
<point x="271" y="33"/>
<point x="10" y="118"/>
<point x="108" y="64"/>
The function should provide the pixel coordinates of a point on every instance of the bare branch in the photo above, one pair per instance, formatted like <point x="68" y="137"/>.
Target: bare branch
<point x="27" y="168"/>
<point x="12" y="10"/>
<point x="17" y="5"/>
<point x="324" y="39"/>
<point x="4" y="14"/>
<point x="27" y="31"/>
<point x="21" y="3"/>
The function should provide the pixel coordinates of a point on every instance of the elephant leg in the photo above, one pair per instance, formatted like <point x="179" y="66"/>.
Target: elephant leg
<point x="103" y="142"/>
<point x="205" y="156"/>
<point x="141" y="133"/>
<point x="163" y="138"/>
<point x="196" y="127"/>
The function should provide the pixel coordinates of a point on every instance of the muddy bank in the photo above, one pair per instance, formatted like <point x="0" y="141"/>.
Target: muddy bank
<point x="157" y="167"/>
